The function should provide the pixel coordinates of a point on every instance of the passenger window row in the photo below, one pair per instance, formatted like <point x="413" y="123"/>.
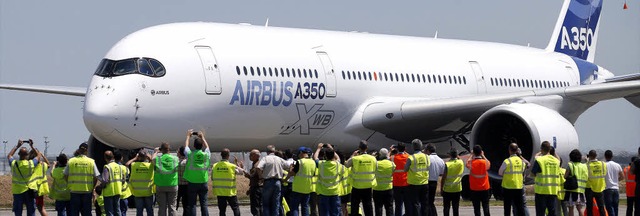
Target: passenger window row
<point x="403" y="77"/>
<point x="528" y="83"/>
<point x="277" y="72"/>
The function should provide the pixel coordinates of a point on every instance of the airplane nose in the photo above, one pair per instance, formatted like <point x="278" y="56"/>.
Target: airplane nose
<point x="100" y="115"/>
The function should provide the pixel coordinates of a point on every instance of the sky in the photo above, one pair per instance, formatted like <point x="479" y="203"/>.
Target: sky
<point x="61" y="43"/>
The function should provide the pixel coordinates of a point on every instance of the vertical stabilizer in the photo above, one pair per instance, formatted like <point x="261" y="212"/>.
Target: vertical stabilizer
<point x="576" y="31"/>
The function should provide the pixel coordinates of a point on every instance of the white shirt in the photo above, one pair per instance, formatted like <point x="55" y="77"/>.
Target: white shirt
<point x="613" y="170"/>
<point x="436" y="169"/>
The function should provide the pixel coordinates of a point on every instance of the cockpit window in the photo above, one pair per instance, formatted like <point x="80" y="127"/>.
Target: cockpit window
<point x="143" y="66"/>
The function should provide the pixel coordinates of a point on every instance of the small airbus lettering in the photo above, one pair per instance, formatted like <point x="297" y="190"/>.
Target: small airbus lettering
<point x="578" y="39"/>
<point x="273" y="93"/>
<point x="159" y="92"/>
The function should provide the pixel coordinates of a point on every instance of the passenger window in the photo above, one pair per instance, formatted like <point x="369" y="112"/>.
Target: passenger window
<point x="288" y="73"/>
<point x="299" y="73"/>
<point x="316" y="73"/>
<point x="245" y="70"/>
<point x="238" y="70"/>
<point x="271" y="73"/>
<point x="370" y="75"/>
<point x="465" y="80"/>
<point x="449" y="79"/>
<point x="348" y="75"/>
<point x="343" y="76"/>
<point x="439" y="79"/>
<point x="253" y="73"/>
<point x="258" y="70"/>
<point x="293" y="72"/>
<point x="144" y="67"/>
<point x="304" y="71"/>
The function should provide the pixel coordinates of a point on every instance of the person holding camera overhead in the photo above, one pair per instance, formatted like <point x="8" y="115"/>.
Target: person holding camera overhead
<point x="417" y="168"/>
<point x="21" y="171"/>
<point x="511" y="171"/>
<point x="363" y="172"/>
<point x="141" y="182"/>
<point x="197" y="171"/>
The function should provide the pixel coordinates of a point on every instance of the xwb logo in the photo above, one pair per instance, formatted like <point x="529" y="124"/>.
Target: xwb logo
<point x="576" y="38"/>
<point x="312" y="118"/>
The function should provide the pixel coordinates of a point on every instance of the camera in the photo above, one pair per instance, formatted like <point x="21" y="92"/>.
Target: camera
<point x="325" y="145"/>
<point x="26" y="141"/>
<point x="195" y="133"/>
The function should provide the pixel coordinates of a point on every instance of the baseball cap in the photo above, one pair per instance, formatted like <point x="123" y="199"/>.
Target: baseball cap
<point x="304" y="149"/>
<point x="84" y="145"/>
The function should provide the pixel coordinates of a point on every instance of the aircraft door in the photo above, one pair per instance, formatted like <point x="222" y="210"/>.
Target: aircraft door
<point x="329" y="72"/>
<point x="477" y="72"/>
<point x="210" y="69"/>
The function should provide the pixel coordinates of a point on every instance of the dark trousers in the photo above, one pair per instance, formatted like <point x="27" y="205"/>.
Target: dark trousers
<point x="112" y="205"/>
<point x="232" y="201"/>
<point x="637" y="203"/>
<point x="513" y="196"/>
<point x="480" y="198"/>
<point x="546" y="203"/>
<point x="630" y="202"/>
<point x="433" y="185"/>
<point x="364" y="196"/>
<point x="400" y="198"/>
<point x="199" y="190"/>
<point x="63" y="208"/>
<point x="313" y="204"/>
<point x="124" y="206"/>
<point x="255" y="200"/>
<point x="383" y="199"/>
<point x="590" y="195"/>
<point x="81" y="204"/>
<point x="27" y="198"/>
<point x="451" y="200"/>
<point x="418" y="199"/>
<point x="182" y="197"/>
<point x="611" y="201"/>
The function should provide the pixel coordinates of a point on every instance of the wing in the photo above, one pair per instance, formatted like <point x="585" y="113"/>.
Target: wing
<point x="413" y="118"/>
<point x="62" y="90"/>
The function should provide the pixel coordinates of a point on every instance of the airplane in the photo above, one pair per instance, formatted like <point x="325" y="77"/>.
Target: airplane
<point x="248" y="86"/>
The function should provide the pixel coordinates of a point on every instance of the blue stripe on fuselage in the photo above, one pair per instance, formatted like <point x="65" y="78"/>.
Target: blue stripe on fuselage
<point x="588" y="71"/>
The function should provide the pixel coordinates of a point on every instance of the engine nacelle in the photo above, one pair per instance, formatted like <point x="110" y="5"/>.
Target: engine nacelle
<point x="529" y="124"/>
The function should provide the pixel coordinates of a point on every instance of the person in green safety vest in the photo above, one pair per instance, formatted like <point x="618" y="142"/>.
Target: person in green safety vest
<point x="165" y="177"/>
<point x="451" y="184"/>
<point x="141" y="182"/>
<point x="383" y="191"/>
<point x="82" y="174"/>
<point x="59" y="189"/>
<point x="197" y="171"/>
<point x="597" y="172"/>
<point x="511" y="171"/>
<point x="223" y="179"/>
<point x="21" y="186"/>
<point x="111" y="180"/>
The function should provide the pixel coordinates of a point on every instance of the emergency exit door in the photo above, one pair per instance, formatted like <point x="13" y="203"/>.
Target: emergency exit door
<point x="210" y="70"/>
<point x="330" y="74"/>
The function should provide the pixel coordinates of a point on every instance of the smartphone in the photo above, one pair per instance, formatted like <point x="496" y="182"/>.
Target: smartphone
<point x="26" y="141"/>
<point x="195" y="133"/>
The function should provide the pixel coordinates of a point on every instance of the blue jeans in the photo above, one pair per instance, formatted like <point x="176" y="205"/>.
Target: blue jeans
<point x="329" y="206"/>
<point x="198" y="190"/>
<point x="611" y="201"/>
<point x="63" y="208"/>
<point x="81" y="204"/>
<point x="271" y="197"/>
<point x="27" y="198"/>
<point x="302" y="200"/>
<point x="143" y="203"/>
<point x="112" y="205"/>
<point x="546" y="202"/>
<point x="124" y="205"/>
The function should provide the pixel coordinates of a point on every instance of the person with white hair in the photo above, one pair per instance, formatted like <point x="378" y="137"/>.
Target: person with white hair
<point x="383" y="191"/>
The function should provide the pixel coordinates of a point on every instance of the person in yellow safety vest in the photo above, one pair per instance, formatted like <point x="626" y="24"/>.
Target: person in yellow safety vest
<point x="383" y="191"/>
<point x="81" y="174"/>
<point x="303" y="171"/>
<point x="345" y="182"/>
<point x="126" y="190"/>
<point x="511" y="171"/>
<point x="562" y="205"/>
<point x="197" y="171"/>
<point x="165" y="177"/>
<point x="111" y="183"/>
<point x="40" y="178"/>
<point x="21" y="186"/>
<point x="597" y="171"/>
<point x="417" y="168"/>
<point x="223" y="179"/>
<point x="363" y="174"/>
<point x="141" y="182"/>
<point x="545" y="170"/>
<point x="59" y="189"/>
<point x="451" y="184"/>
<point x="328" y="188"/>
<point x="576" y="168"/>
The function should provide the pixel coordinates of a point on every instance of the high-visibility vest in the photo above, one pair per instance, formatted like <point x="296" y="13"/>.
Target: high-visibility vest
<point x="329" y="178"/>
<point x="21" y="171"/>
<point x="141" y="181"/>
<point x="59" y="188"/>
<point x="116" y="178"/>
<point x="346" y="182"/>
<point x="580" y="171"/>
<point x="548" y="181"/>
<point x="100" y="201"/>
<point x="223" y="178"/>
<point x="630" y="182"/>
<point x="303" y="180"/>
<point x="478" y="175"/>
<point x="363" y="171"/>
<point x="197" y="168"/>
<point x="419" y="169"/>
<point x="512" y="176"/>
<point x="39" y="176"/>
<point x="597" y="172"/>
<point x="384" y="175"/>
<point x="126" y="190"/>
<point x="166" y="171"/>
<point x="561" y="191"/>
<point x="453" y="182"/>
<point x="81" y="174"/>
<point x="399" y="175"/>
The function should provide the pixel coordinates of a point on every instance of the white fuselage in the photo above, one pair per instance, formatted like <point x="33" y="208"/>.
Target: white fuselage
<point x="329" y="77"/>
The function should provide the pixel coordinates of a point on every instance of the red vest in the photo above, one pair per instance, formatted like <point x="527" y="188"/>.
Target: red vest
<point x="631" y="182"/>
<point x="399" y="175"/>
<point x="478" y="176"/>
